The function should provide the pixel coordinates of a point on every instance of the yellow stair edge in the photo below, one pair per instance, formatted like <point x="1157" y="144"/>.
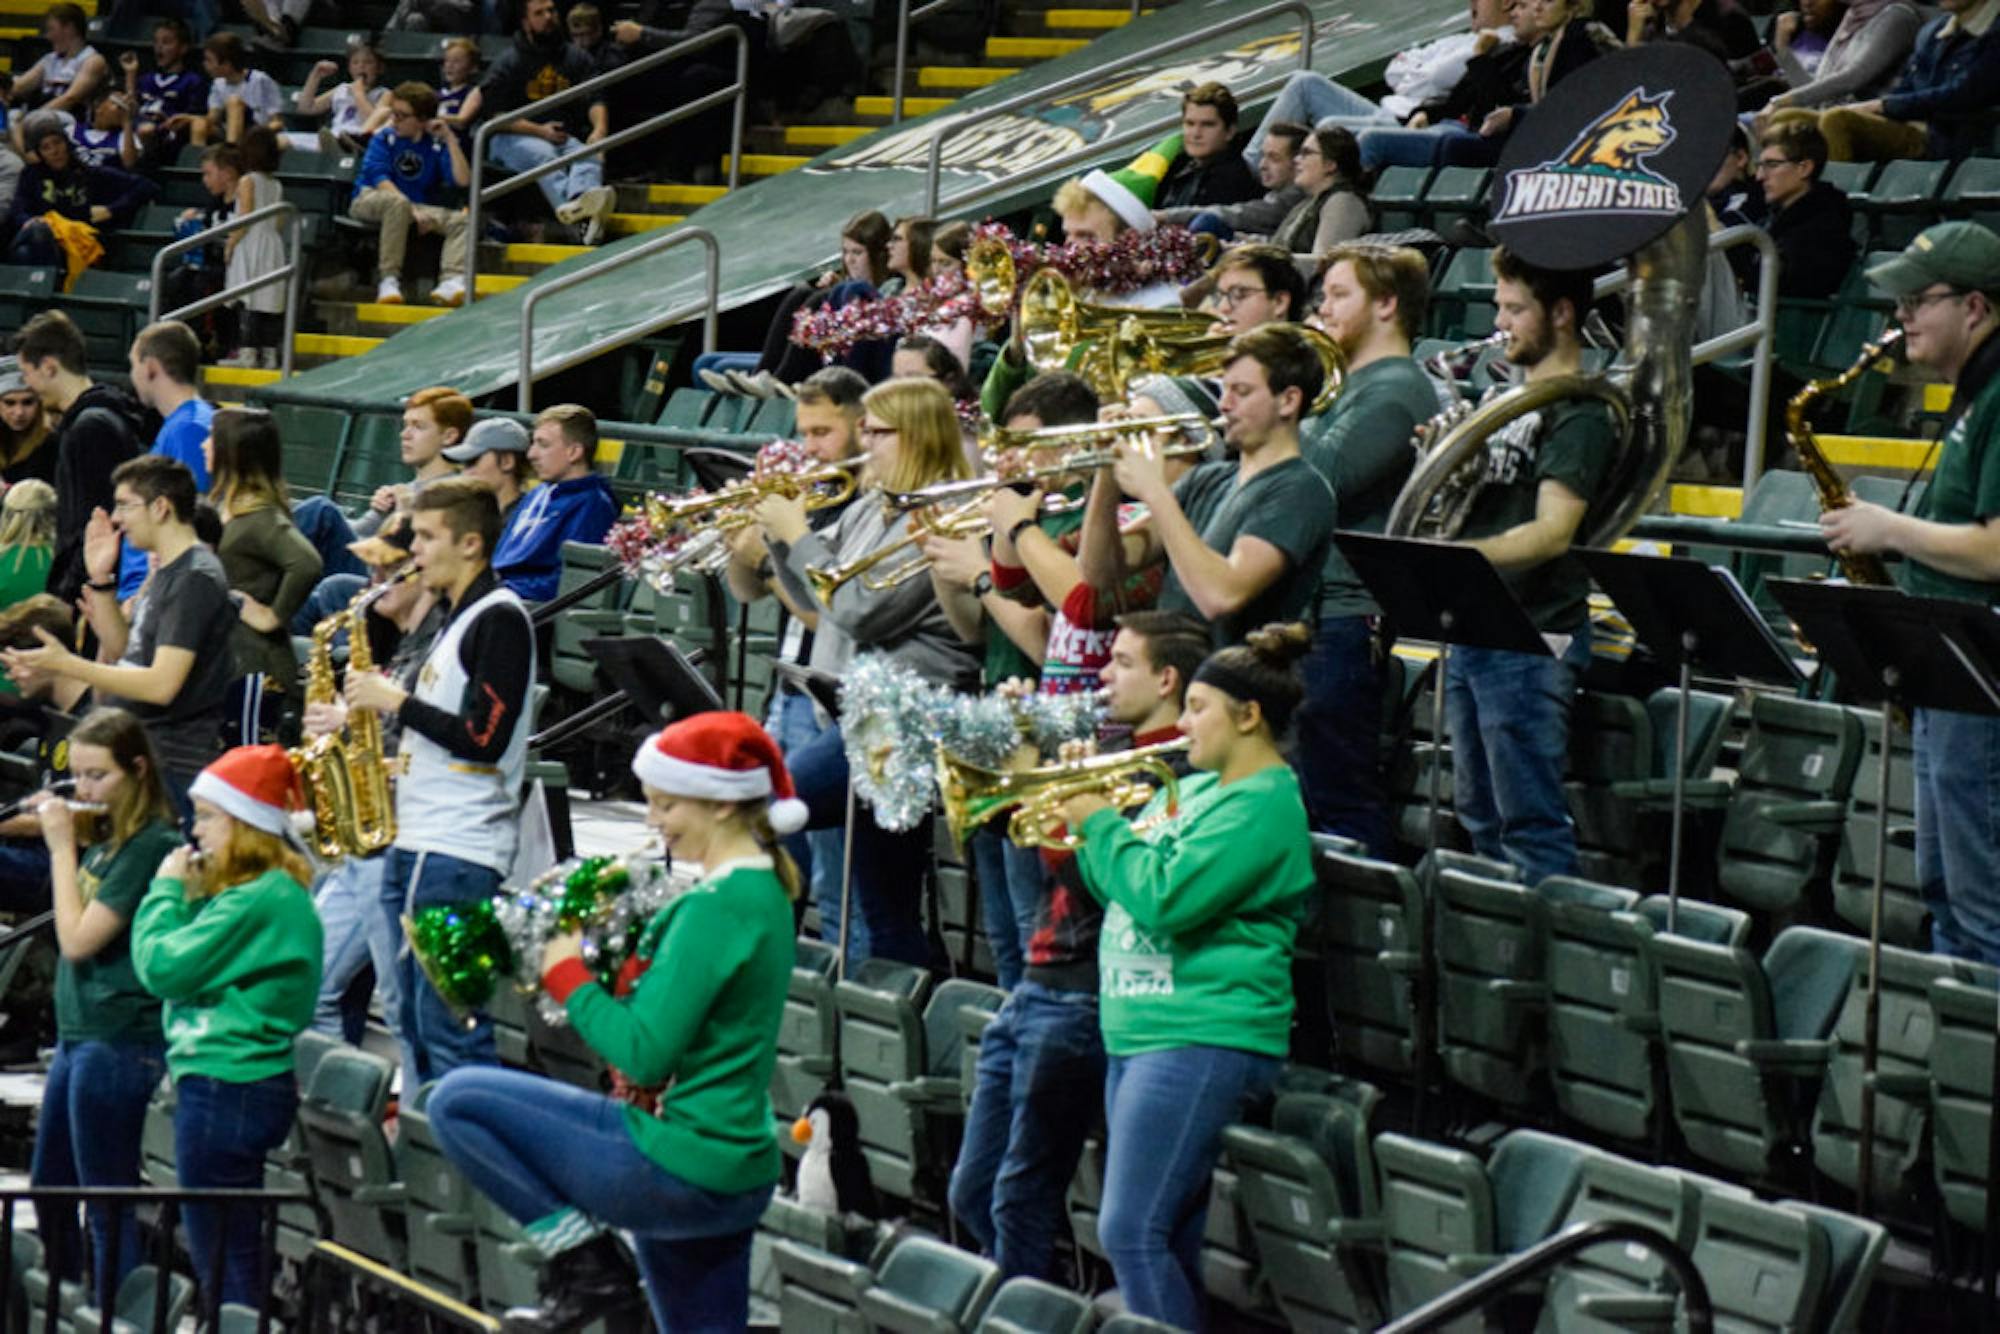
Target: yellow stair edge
<point x="685" y="194"/>
<point x="20" y="34"/>
<point x="492" y="284"/>
<point x="333" y="345"/>
<point x="1088" y="18"/>
<point x="36" y="8"/>
<point x="1871" y="451"/>
<point x="1706" y="502"/>
<point x="876" y="105"/>
<point x="823" y="136"/>
<point x="1032" y="48"/>
<point x="768" y="164"/>
<point x="237" y="375"/>
<point x="1937" y="398"/>
<point x="375" y="312"/>
<point x="627" y="224"/>
<point x="522" y="252"/>
<point x="960" y="76"/>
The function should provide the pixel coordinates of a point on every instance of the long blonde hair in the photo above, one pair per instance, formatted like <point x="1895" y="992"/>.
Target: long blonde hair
<point x="28" y="515"/>
<point x="141" y="797"/>
<point x="248" y="854"/>
<point x="930" y="445"/>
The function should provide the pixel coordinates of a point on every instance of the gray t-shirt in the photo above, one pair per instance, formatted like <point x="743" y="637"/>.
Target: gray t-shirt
<point x="186" y="605"/>
<point x="1287" y="505"/>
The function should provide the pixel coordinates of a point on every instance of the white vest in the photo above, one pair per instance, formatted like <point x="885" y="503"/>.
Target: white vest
<point x="455" y="806"/>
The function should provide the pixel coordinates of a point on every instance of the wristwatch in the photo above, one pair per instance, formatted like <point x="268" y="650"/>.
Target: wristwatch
<point x="982" y="584"/>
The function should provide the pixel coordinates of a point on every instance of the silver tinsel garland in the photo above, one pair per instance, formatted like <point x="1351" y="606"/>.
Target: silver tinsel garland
<point x="613" y="920"/>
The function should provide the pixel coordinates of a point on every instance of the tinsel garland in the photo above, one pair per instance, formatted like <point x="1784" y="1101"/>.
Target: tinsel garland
<point x="466" y="949"/>
<point x="646" y="549"/>
<point x="1126" y="263"/>
<point x="893" y="722"/>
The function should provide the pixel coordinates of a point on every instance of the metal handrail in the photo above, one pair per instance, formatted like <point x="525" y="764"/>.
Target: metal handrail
<point x="290" y="272"/>
<point x="1096" y="73"/>
<point x="479" y="193"/>
<point x="525" y="390"/>
<point x="1761" y="334"/>
<point x="1495" y="1282"/>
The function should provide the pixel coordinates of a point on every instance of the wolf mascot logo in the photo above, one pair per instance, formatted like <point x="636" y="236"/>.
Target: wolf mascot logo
<point x="1603" y="171"/>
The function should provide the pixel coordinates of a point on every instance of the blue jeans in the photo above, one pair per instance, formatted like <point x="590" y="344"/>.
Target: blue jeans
<point x="1958" y="831"/>
<point x="221" y="1133"/>
<point x="1340" y="733"/>
<point x="35" y="246"/>
<point x="1446" y="144"/>
<point x="536" y="1147"/>
<point x="434" y="1039"/>
<point x="1011" y="881"/>
<point x="1313" y="99"/>
<point x="1164" y="1113"/>
<point x="1509" y="719"/>
<point x="524" y="152"/>
<point x="888" y="867"/>
<point x="723" y="361"/>
<point x="349" y="900"/>
<point x="93" y="1110"/>
<point x="1041" y="1072"/>
<point x="328" y="528"/>
<point x="818" y="852"/>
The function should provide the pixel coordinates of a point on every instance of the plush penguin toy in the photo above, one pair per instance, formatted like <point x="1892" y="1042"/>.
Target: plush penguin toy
<point x="833" y="1176"/>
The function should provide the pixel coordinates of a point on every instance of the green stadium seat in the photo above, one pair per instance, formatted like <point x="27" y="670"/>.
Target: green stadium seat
<point x="354" y="1170"/>
<point x="1603" y="1016"/>
<point x="573" y="667"/>
<point x="1030" y="1306"/>
<point x="134" y="1307"/>
<point x="928" y="1287"/>
<point x="110" y="309"/>
<point x="785" y="1219"/>
<point x="1371" y="945"/>
<point x="437" y="1201"/>
<point x="510" y="1269"/>
<point x="1622" y="827"/>
<point x="24" y="290"/>
<point x="1398" y="195"/>
<point x="820" y="1293"/>
<point x="509" y="1012"/>
<point x="1617" y="1286"/>
<point x="1766" y="1266"/>
<point x="686" y="407"/>
<point x="1491" y="992"/>
<point x="289" y="1166"/>
<point x="805" y="1037"/>
<point x="1902" y="201"/>
<point x="373" y="458"/>
<point x="773" y="417"/>
<point x="1780" y="828"/>
<point x="1854" y="1249"/>
<point x="1610" y="743"/>
<point x="1455" y="192"/>
<point x="1974" y="191"/>
<point x="882" y="1045"/>
<point x="1961" y="1095"/>
<point x="1462" y="301"/>
<point x="314" y="441"/>
<point x="1231" y="1275"/>
<point x="1307" y="1187"/>
<point x="1741" y="1036"/>
<point x="1127" y="1323"/>
<point x="1905" y="920"/>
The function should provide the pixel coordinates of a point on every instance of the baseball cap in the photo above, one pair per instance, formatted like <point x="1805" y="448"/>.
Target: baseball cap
<point x="490" y="435"/>
<point x="11" y="379"/>
<point x="390" y="544"/>
<point x="1964" y="255"/>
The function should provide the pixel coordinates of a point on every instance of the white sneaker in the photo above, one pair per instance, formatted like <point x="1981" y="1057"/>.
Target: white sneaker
<point x="595" y="201"/>
<point x="450" y="292"/>
<point x="269" y="359"/>
<point x="389" y="292"/>
<point x="716" y="380"/>
<point x="244" y="358"/>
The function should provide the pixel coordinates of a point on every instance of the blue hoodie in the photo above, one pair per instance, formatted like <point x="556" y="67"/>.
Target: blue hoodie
<point x="529" y="556"/>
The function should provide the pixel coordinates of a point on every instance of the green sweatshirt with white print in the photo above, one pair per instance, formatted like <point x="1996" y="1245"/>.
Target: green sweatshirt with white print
<point x="1201" y="914"/>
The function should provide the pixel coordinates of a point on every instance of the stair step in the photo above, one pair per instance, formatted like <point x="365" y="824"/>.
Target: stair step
<point x="873" y="105"/>
<point x="1032" y="48"/>
<point x="376" y="312"/>
<point x="823" y="136"/>
<point x="768" y="164"/>
<point x="521" y="252"/>
<point x="630" y="224"/>
<point x="1099" y="20"/>
<point x="961" y="76"/>
<point x="333" y="345"/>
<point x="244" y="376"/>
<point x="695" y="195"/>
<point x="36" y="8"/>
<point x="492" y="284"/>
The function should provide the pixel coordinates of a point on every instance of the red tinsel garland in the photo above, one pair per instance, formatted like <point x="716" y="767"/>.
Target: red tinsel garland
<point x="1106" y="268"/>
<point x="634" y="539"/>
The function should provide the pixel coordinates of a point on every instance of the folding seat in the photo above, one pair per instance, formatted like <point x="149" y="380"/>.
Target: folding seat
<point x="1902" y="201"/>
<point x="1464" y="292"/>
<point x="289" y="1166"/>
<point x="1905" y="920"/>
<point x="1780" y="827"/>
<point x="1974" y="191"/>
<point x="882" y="1045"/>
<point x="1231" y="1274"/>
<point x="928" y="1287"/>
<point x="1398" y="195"/>
<point x="1854" y="1249"/>
<point x="138" y="1297"/>
<point x="1371" y="945"/>
<point x="438" y="1214"/>
<point x="1608" y="1287"/>
<point x="354" y="1171"/>
<point x="1745" y="1039"/>
<point x="820" y="1293"/>
<point x="805" y="1037"/>
<point x="1767" y="1266"/>
<point x="686" y="407"/>
<point x="1491" y="992"/>
<point x="1961" y="1094"/>
<point x="1603" y="1014"/>
<point x="1030" y="1306"/>
<point x="1455" y="192"/>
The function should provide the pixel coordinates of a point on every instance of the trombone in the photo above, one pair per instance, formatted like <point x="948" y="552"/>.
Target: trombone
<point x="966" y="519"/>
<point x="1200" y="438"/>
<point x="972" y="794"/>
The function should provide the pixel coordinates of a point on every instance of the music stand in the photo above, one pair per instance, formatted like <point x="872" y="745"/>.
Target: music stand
<point x="714" y="469"/>
<point x="1690" y="615"/>
<point x="824" y="690"/>
<point x="1903" y="653"/>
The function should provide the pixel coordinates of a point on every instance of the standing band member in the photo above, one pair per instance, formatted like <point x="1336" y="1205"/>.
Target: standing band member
<point x="690" y="1179"/>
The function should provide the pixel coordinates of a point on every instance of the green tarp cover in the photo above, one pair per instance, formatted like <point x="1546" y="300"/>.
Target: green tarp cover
<point x="776" y="230"/>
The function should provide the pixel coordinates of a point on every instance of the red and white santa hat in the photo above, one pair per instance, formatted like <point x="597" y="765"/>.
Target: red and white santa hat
<point x="721" y="756"/>
<point x="254" y="784"/>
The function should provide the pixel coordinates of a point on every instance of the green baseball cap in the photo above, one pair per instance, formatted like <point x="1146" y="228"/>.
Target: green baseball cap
<point x="1964" y="255"/>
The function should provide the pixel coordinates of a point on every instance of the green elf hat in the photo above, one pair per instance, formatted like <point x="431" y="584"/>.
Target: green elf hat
<point x="1129" y="191"/>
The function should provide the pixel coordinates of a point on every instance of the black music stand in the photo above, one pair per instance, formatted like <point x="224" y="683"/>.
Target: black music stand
<point x="1690" y="615"/>
<point x="1903" y="653"/>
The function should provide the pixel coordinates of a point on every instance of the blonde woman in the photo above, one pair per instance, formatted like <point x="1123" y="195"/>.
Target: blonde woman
<point x="910" y="437"/>
<point x="27" y="540"/>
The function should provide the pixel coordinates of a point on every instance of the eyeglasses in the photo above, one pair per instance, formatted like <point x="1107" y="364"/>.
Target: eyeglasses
<point x="1773" y="163"/>
<point x="1308" y="150"/>
<point x="878" y="432"/>
<point x="127" y="506"/>
<point x="1236" y="296"/>
<point x="1907" y="306"/>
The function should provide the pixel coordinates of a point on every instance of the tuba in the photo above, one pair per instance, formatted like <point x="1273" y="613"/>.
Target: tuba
<point x="973" y="794"/>
<point x="1648" y="392"/>
<point x="346" y="775"/>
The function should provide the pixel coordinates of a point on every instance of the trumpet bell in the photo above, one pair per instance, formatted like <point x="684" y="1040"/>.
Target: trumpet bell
<point x="989" y="267"/>
<point x="972" y="794"/>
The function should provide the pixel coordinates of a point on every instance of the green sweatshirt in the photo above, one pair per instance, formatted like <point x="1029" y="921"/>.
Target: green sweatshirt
<point x="704" y="1014"/>
<point x="99" y="999"/>
<point x="1200" y="916"/>
<point x="239" y="973"/>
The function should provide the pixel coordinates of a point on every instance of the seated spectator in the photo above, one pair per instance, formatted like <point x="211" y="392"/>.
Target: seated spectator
<point x="464" y="16"/>
<point x="169" y="99"/>
<point x="268" y="561"/>
<point x="1809" y="219"/>
<point x="587" y="35"/>
<point x="69" y="73"/>
<point x="18" y="623"/>
<point x="238" y="96"/>
<point x="572" y="504"/>
<point x="540" y="64"/>
<point x="60" y="185"/>
<point x="924" y="357"/>
<point x="1104" y="205"/>
<point x="351" y="111"/>
<point x="165" y="362"/>
<point x="1208" y="170"/>
<point x="1940" y="105"/>
<point x="1260" y="216"/>
<point x="1799" y="38"/>
<point x="1335" y="207"/>
<point x="106" y="139"/>
<point x="255" y="252"/>
<point x="1714" y="26"/>
<point x="458" y="96"/>
<point x="27" y="544"/>
<point x="910" y="250"/>
<point x="495" y="452"/>
<point x="25" y="447"/>
<point x="1865" y="52"/>
<point x="800" y="60"/>
<point x="1257" y="284"/>
<point x="409" y="162"/>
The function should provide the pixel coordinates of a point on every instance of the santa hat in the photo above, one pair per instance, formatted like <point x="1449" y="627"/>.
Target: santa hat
<point x="254" y="784"/>
<point x="1129" y="191"/>
<point x="721" y="756"/>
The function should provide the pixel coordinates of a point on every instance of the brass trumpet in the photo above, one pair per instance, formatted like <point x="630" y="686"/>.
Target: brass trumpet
<point x="972" y="795"/>
<point x="967" y="519"/>
<point x="1136" y="348"/>
<point x="731" y="506"/>
<point x="1200" y="435"/>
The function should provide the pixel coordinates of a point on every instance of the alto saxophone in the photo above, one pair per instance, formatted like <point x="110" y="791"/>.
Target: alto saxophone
<point x="1859" y="567"/>
<point x="345" y="774"/>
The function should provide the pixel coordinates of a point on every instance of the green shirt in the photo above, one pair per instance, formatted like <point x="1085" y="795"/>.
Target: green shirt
<point x="1572" y="442"/>
<point x="99" y="999"/>
<point x="704" y="1014"/>
<point x="1363" y="447"/>
<point x="239" y="972"/>
<point x="1964" y="489"/>
<point x="1200" y="916"/>
<point x="24" y="572"/>
<point x="1286" y="505"/>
